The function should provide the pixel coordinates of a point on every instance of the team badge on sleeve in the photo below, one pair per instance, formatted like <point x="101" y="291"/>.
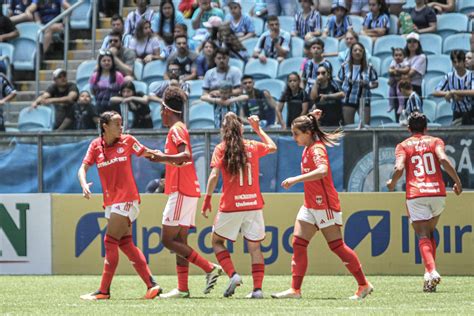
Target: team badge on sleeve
<point x="136" y="148"/>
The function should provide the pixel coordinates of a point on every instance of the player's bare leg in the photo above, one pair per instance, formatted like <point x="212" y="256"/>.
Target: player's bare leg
<point x="223" y="256"/>
<point x="258" y="268"/>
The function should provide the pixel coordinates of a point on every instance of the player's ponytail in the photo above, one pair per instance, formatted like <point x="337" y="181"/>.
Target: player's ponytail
<point x="310" y="122"/>
<point x="234" y="154"/>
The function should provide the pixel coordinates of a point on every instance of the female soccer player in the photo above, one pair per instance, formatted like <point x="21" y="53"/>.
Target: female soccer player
<point x="422" y="156"/>
<point x="112" y="152"/>
<point x="182" y="186"/>
<point x="241" y="203"/>
<point x="321" y="209"/>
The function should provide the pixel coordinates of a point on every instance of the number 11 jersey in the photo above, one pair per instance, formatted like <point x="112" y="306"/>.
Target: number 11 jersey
<point x="423" y="170"/>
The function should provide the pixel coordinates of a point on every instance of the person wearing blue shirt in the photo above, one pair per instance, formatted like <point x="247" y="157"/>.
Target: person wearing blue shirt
<point x="377" y="21"/>
<point x="18" y="11"/>
<point x="166" y="20"/>
<point x="339" y="23"/>
<point x="203" y="13"/>
<point x="117" y="26"/>
<point x="241" y="24"/>
<point x="308" y="22"/>
<point x="274" y="43"/>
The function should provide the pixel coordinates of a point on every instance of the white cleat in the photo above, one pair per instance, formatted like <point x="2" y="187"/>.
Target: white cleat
<point x="427" y="283"/>
<point x="362" y="292"/>
<point x="175" y="293"/>
<point x="234" y="282"/>
<point x="211" y="278"/>
<point x="290" y="293"/>
<point x="435" y="279"/>
<point x="255" y="294"/>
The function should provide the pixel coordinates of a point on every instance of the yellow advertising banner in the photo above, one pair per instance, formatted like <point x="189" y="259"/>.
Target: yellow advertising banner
<point x="375" y="226"/>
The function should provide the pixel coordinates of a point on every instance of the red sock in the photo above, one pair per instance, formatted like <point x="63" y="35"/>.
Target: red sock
<point x="137" y="259"/>
<point x="202" y="263"/>
<point x="182" y="272"/>
<point x="258" y="272"/>
<point x="433" y="244"/>
<point x="299" y="261"/>
<point x="226" y="262"/>
<point x="110" y="263"/>
<point x="350" y="260"/>
<point x="426" y="250"/>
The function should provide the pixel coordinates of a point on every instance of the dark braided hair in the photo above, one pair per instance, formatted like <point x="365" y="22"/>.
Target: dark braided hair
<point x="310" y="123"/>
<point x="234" y="155"/>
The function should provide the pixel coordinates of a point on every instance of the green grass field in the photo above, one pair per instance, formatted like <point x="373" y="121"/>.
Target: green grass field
<point x="53" y="295"/>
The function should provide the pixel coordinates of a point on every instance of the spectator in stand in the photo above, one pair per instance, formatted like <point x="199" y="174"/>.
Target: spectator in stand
<point x="222" y="72"/>
<point x="82" y="115"/>
<point x="44" y="11"/>
<point x="166" y="20"/>
<point x="136" y="102"/>
<point x="295" y="98"/>
<point x="356" y="78"/>
<point x="324" y="6"/>
<point x="423" y="17"/>
<point x="117" y="26"/>
<point x="442" y="6"/>
<point x="351" y="38"/>
<point x="413" y="102"/>
<point x="18" y="12"/>
<point x="309" y="74"/>
<point x="105" y="82"/>
<point x="259" y="102"/>
<point x="174" y="74"/>
<point x="358" y="7"/>
<point x="7" y="93"/>
<point x="241" y="24"/>
<point x="185" y="58"/>
<point x="398" y="67"/>
<point x="457" y="87"/>
<point x="204" y="12"/>
<point x="145" y="44"/>
<point x="259" y="9"/>
<point x="143" y="12"/>
<point x="62" y="94"/>
<point x="124" y="58"/>
<point x="230" y="41"/>
<point x="416" y="60"/>
<point x="339" y="23"/>
<point x="8" y="31"/>
<point x="377" y="21"/>
<point x="274" y="43"/>
<point x="205" y="61"/>
<point x="108" y="8"/>
<point x="395" y="6"/>
<point x="281" y="7"/>
<point x="469" y="61"/>
<point x="308" y="22"/>
<point x="182" y="29"/>
<point x="210" y="32"/>
<point x="327" y="96"/>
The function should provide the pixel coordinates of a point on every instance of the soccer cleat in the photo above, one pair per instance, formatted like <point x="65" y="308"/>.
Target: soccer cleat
<point x="255" y="294"/>
<point x="97" y="295"/>
<point x="175" y="293"/>
<point x="427" y="283"/>
<point x="234" y="282"/>
<point x="290" y="293"/>
<point x="362" y="292"/>
<point x="435" y="279"/>
<point x="211" y="278"/>
<point x="153" y="292"/>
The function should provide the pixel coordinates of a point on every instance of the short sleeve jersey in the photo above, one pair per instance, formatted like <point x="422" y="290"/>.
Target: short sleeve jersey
<point x="319" y="194"/>
<point x="422" y="168"/>
<point x="180" y="179"/>
<point x="114" y="164"/>
<point x="241" y="192"/>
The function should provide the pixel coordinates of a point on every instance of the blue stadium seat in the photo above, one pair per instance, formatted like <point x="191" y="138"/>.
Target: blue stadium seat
<point x="383" y="46"/>
<point x="297" y="47"/>
<point x="366" y="41"/>
<point x="140" y="86"/>
<point x="331" y="44"/>
<point x="376" y="63"/>
<point x="437" y="65"/>
<point x="39" y="119"/>
<point x="444" y="114"/>
<point x="409" y="4"/>
<point x="154" y="71"/>
<point x="81" y="17"/>
<point x="384" y="67"/>
<point x="201" y="115"/>
<point x="86" y="87"/>
<point x="431" y="43"/>
<point x="465" y="6"/>
<point x="153" y="86"/>
<point x="324" y="21"/>
<point x="274" y="86"/>
<point x="7" y="50"/>
<point x="457" y="41"/>
<point x="379" y="115"/>
<point x="246" y="6"/>
<point x="25" y="46"/>
<point x="84" y="72"/>
<point x="138" y="70"/>
<point x="196" y="89"/>
<point x="262" y="71"/>
<point x="250" y="44"/>
<point x="288" y="66"/>
<point x="155" y="109"/>
<point x="381" y="92"/>
<point x="189" y="24"/>
<point x="335" y="63"/>
<point x="28" y="30"/>
<point x="237" y="63"/>
<point x="429" y="86"/>
<point x="429" y="109"/>
<point x="393" y="24"/>
<point x="258" y="25"/>
<point x="286" y="23"/>
<point x="451" y="23"/>
<point x="357" y="22"/>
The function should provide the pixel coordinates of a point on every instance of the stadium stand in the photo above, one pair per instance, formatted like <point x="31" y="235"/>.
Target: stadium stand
<point x="262" y="71"/>
<point x="288" y="66"/>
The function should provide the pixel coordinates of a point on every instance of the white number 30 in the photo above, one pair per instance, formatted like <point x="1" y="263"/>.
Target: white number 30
<point x="424" y="164"/>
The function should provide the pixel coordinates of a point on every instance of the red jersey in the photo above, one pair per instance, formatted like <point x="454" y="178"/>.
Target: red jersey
<point x="180" y="179"/>
<point x="422" y="167"/>
<point x="114" y="164"/>
<point x="241" y="192"/>
<point x="318" y="194"/>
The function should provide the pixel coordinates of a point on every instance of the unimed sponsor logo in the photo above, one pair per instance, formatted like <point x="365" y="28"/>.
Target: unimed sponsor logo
<point x="16" y="234"/>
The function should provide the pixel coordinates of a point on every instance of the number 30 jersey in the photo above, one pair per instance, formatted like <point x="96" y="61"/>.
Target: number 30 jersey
<point x="423" y="171"/>
<point x="241" y="192"/>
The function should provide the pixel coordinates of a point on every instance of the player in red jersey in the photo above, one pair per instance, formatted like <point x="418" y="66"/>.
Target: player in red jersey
<point x="240" y="207"/>
<point x="112" y="152"/>
<point x="422" y="156"/>
<point x="182" y="186"/>
<point x="321" y="209"/>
